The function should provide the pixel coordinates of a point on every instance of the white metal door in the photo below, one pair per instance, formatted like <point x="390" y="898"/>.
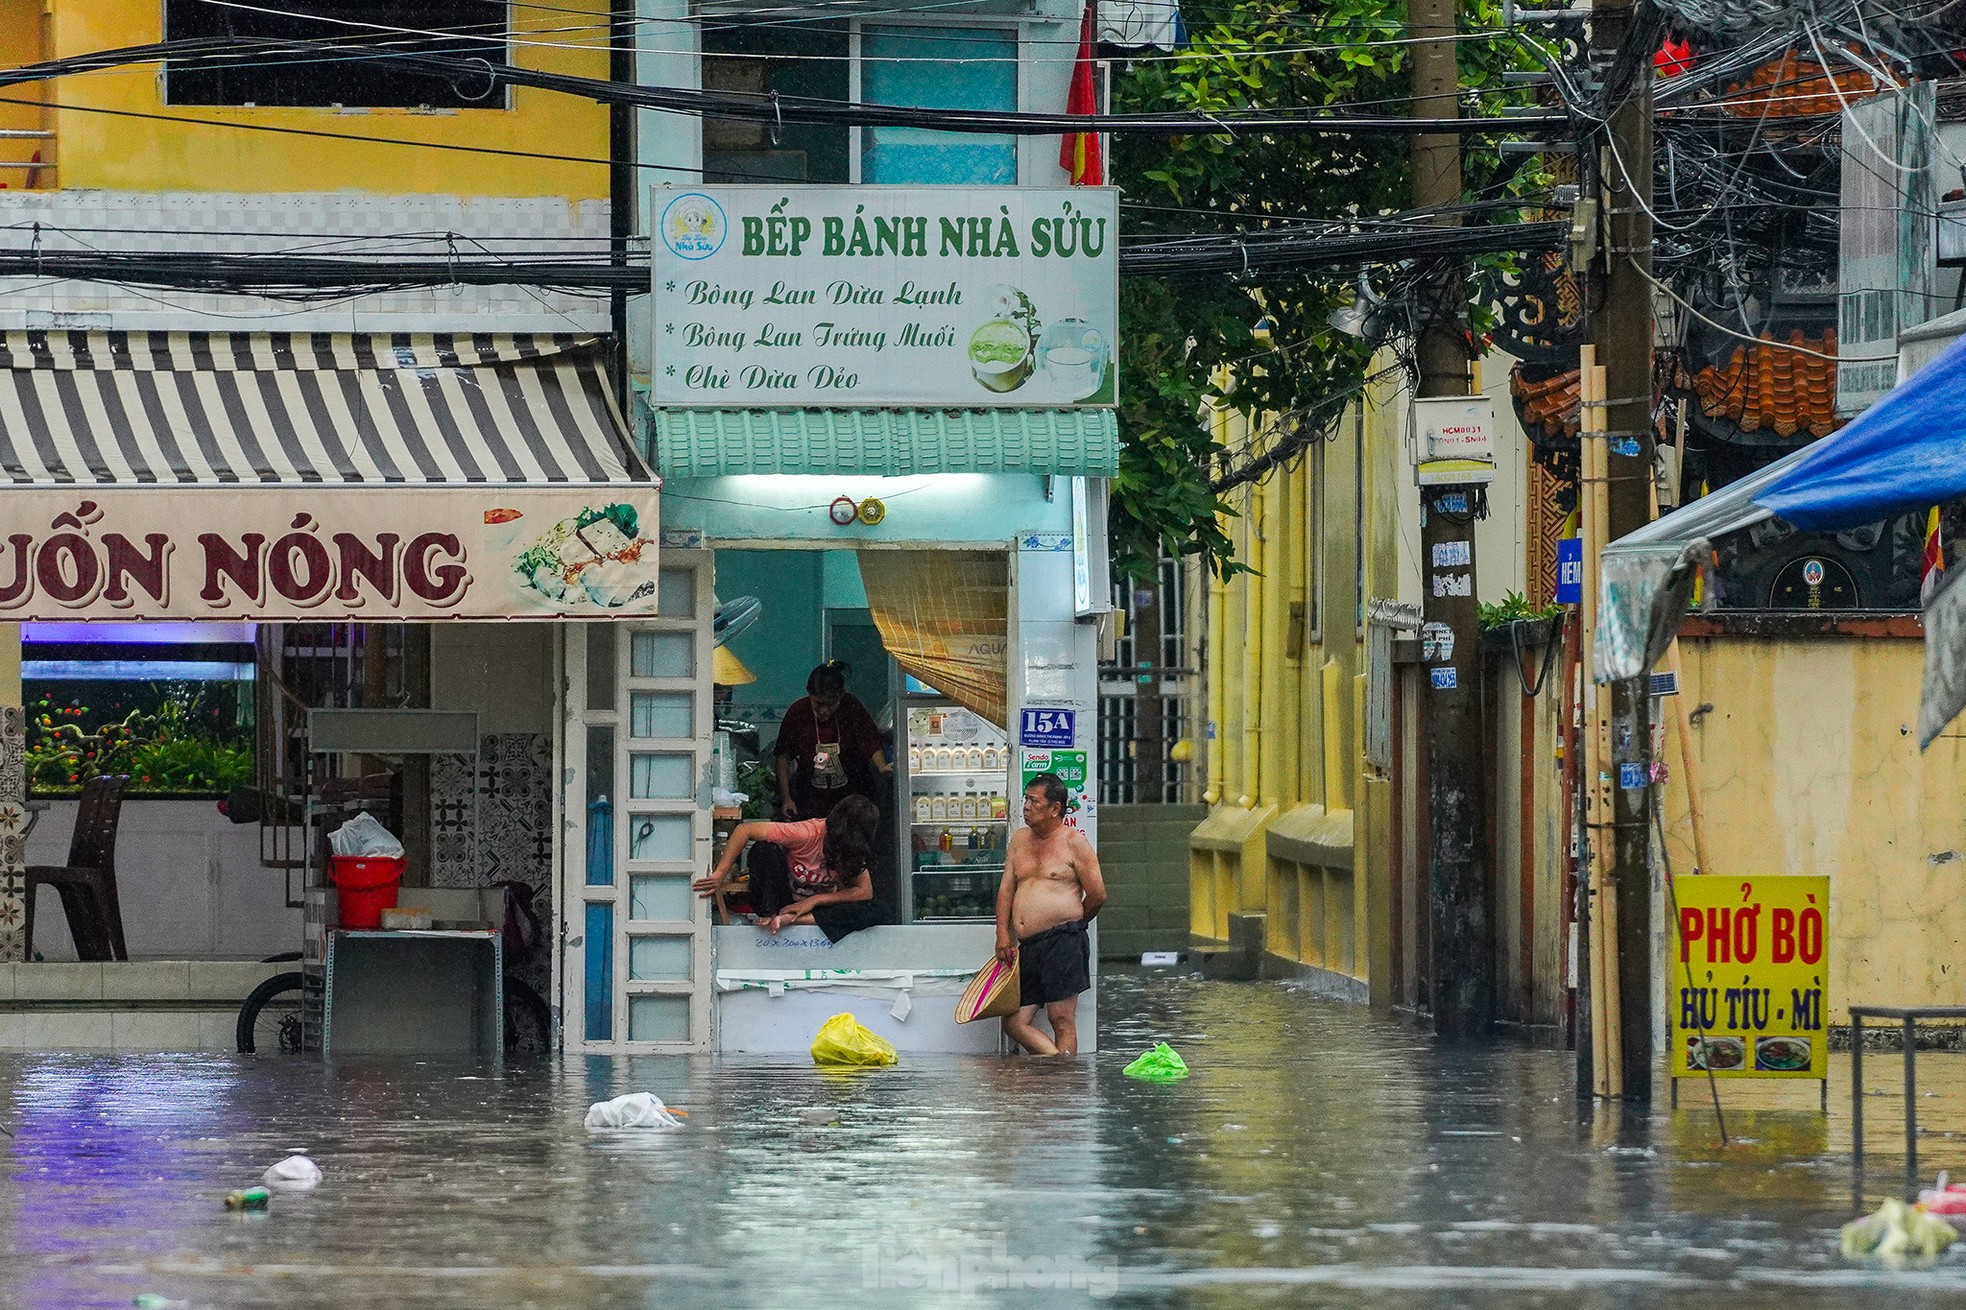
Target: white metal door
<point x="635" y="966"/>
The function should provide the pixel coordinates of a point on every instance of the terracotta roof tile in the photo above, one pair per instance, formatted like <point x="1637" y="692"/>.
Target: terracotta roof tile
<point x="1766" y="388"/>
<point x="1547" y="407"/>
<point x="1793" y="85"/>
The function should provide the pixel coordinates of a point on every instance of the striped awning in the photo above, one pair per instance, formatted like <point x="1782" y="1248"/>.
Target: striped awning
<point x="309" y="409"/>
<point x="708" y="443"/>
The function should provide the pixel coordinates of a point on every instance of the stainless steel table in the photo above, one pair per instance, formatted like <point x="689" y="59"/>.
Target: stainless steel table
<point x="1910" y="1016"/>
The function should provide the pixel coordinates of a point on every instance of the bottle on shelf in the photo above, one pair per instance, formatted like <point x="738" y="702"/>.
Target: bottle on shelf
<point x="922" y="809"/>
<point x="914" y="759"/>
<point x="938" y="807"/>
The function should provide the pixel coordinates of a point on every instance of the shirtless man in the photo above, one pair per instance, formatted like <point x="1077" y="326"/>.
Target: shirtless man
<point x="1051" y="889"/>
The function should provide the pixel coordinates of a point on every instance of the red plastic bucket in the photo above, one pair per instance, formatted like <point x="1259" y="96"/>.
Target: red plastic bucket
<point x="366" y="885"/>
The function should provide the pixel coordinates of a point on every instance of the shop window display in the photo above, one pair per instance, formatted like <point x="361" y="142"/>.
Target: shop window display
<point x="177" y="717"/>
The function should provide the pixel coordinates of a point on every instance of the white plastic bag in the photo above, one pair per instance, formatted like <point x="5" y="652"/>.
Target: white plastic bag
<point x="635" y="1110"/>
<point x="363" y="835"/>
<point x="296" y="1173"/>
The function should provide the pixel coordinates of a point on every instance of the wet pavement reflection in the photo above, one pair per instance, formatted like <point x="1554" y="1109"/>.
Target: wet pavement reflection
<point x="1319" y="1156"/>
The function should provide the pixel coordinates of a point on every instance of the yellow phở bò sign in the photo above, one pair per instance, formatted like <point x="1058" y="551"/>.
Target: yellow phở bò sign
<point x="1748" y="965"/>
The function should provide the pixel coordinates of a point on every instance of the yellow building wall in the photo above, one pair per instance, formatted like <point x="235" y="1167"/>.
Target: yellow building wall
<point x="21" y="31"/>
<point x="1299" y="827"/>
<point x="1808" y="764"/>
<point x="100" y="150"/>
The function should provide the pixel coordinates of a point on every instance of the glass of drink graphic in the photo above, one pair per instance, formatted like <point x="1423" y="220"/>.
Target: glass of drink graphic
<point x="1072" y="359"/>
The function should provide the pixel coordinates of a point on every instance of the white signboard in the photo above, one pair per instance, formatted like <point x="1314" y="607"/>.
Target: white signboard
<point x="1456" y="437"/>
<point x="848" y="296"/>
<point x="328" y="553"/>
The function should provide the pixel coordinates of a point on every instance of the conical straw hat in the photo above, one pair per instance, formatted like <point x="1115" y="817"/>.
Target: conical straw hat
<point x="994" y="992"/>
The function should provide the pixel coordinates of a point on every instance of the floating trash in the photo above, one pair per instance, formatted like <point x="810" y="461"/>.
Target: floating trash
<point x="296" y="1173"/>
<point x="1159" y="1065"/>
<point x="1896" y="1231"/>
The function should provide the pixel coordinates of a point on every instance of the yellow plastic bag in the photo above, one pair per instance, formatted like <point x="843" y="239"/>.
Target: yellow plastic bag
<point x="843" y="1040"/>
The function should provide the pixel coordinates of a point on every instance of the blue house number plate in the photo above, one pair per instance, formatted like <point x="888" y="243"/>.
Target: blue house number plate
<point x="1048" y="728"/>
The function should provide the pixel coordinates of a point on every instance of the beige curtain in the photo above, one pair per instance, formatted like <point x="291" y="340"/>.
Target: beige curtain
<point x="945" y="617"/>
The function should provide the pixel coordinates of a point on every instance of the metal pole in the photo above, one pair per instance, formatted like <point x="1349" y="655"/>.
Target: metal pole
<point x="1463" y="958"/>
<point x="1622" y="332"/>
<point x="622" y="203"/>
<point x="1856" y="1111"/>
<point x="1149" y="712"/>
<point x="1911" y="1109"/>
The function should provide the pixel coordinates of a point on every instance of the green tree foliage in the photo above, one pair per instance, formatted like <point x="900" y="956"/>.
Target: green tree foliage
<point x="1264" y="345"/>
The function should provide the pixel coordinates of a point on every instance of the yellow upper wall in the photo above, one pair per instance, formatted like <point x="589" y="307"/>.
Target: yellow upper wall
<point x="1808" y="764"/>
<point x="103" y="151"/>
<point x="20" y="43"/>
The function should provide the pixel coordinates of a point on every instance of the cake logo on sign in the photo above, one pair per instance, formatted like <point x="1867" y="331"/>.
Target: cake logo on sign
<point x="694" y="226"/>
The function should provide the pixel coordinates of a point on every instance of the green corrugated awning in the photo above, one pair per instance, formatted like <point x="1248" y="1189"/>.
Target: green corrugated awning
<point x="709" y="443"/>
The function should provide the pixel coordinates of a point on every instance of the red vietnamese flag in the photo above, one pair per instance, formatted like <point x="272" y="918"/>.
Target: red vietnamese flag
<point x="1079" y="154"/>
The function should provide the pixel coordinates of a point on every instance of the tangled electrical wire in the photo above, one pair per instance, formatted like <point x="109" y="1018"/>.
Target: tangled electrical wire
<point x="776" y="109"/>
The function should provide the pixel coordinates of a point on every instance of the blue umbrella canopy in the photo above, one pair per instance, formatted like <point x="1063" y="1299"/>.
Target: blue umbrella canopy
<point x="1905" y="453"/>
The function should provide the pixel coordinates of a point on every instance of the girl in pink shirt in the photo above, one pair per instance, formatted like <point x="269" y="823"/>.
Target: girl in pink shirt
<point x="829" y="865"/>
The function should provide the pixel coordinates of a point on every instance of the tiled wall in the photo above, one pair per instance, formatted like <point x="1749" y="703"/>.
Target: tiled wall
<point x="507" y="835"/>
<point x="13" y="831"/>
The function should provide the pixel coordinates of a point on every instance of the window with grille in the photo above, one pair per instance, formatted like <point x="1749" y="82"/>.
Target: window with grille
<point x="363" y="67"/>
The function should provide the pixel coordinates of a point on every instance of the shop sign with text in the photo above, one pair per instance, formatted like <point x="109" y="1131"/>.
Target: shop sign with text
<point x="852" y="296"/>
<point x="1747" y="976"/>
<point x="313" y="554"/>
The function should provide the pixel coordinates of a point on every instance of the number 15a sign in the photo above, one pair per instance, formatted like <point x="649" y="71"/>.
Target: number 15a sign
<point x="1042" y="727"/>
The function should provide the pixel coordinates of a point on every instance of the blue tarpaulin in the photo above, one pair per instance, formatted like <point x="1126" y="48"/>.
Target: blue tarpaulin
<point x="1907" y="452"/>
<point x="1904" y="454"/>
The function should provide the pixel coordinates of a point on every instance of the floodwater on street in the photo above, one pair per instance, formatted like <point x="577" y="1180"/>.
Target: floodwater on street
<point x="1318" y="1156"/>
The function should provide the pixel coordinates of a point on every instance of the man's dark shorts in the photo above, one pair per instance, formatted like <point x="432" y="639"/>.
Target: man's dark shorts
<point x="1054" y="965"/>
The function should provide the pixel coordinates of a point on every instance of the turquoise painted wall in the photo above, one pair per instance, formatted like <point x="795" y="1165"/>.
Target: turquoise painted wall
<point x="785" y="642"/>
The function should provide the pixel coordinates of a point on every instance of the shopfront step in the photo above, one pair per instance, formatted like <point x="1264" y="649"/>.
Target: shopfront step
<point x="146" y="1005"/>
<point x="153" y="1031"/>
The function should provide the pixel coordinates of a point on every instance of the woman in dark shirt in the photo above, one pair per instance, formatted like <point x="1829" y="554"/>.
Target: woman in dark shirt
<point x="828" y="747"/>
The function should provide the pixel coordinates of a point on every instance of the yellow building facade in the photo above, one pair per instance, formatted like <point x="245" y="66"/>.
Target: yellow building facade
<point x="114" y="130"/>
<point x="1801" y="731"/>
<point x="1312" y="856"/>
<point x="1299" y="825"/>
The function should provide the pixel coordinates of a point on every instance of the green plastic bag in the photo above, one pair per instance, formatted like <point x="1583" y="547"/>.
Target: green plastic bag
<point x="1160" y="1065"/>
<point x="843" y="1040"/>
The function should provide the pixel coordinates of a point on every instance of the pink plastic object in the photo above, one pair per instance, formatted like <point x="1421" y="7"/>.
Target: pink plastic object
<point x="1950" y="1201"/>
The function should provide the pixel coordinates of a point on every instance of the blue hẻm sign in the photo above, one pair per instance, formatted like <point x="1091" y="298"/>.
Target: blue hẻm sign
<point x="1042" y="727"/>
<point x="1570" y="571"/>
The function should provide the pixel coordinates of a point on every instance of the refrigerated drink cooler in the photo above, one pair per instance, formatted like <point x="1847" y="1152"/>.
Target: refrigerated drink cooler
<point x="957" y="769"/>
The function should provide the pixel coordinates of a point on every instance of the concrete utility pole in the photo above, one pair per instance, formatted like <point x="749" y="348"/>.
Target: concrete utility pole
<point x="1462" y="972"/>
<point x="1622" y="332"/>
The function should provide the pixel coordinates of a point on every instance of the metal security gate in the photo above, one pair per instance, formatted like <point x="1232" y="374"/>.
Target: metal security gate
<point x="635" y="957"/>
